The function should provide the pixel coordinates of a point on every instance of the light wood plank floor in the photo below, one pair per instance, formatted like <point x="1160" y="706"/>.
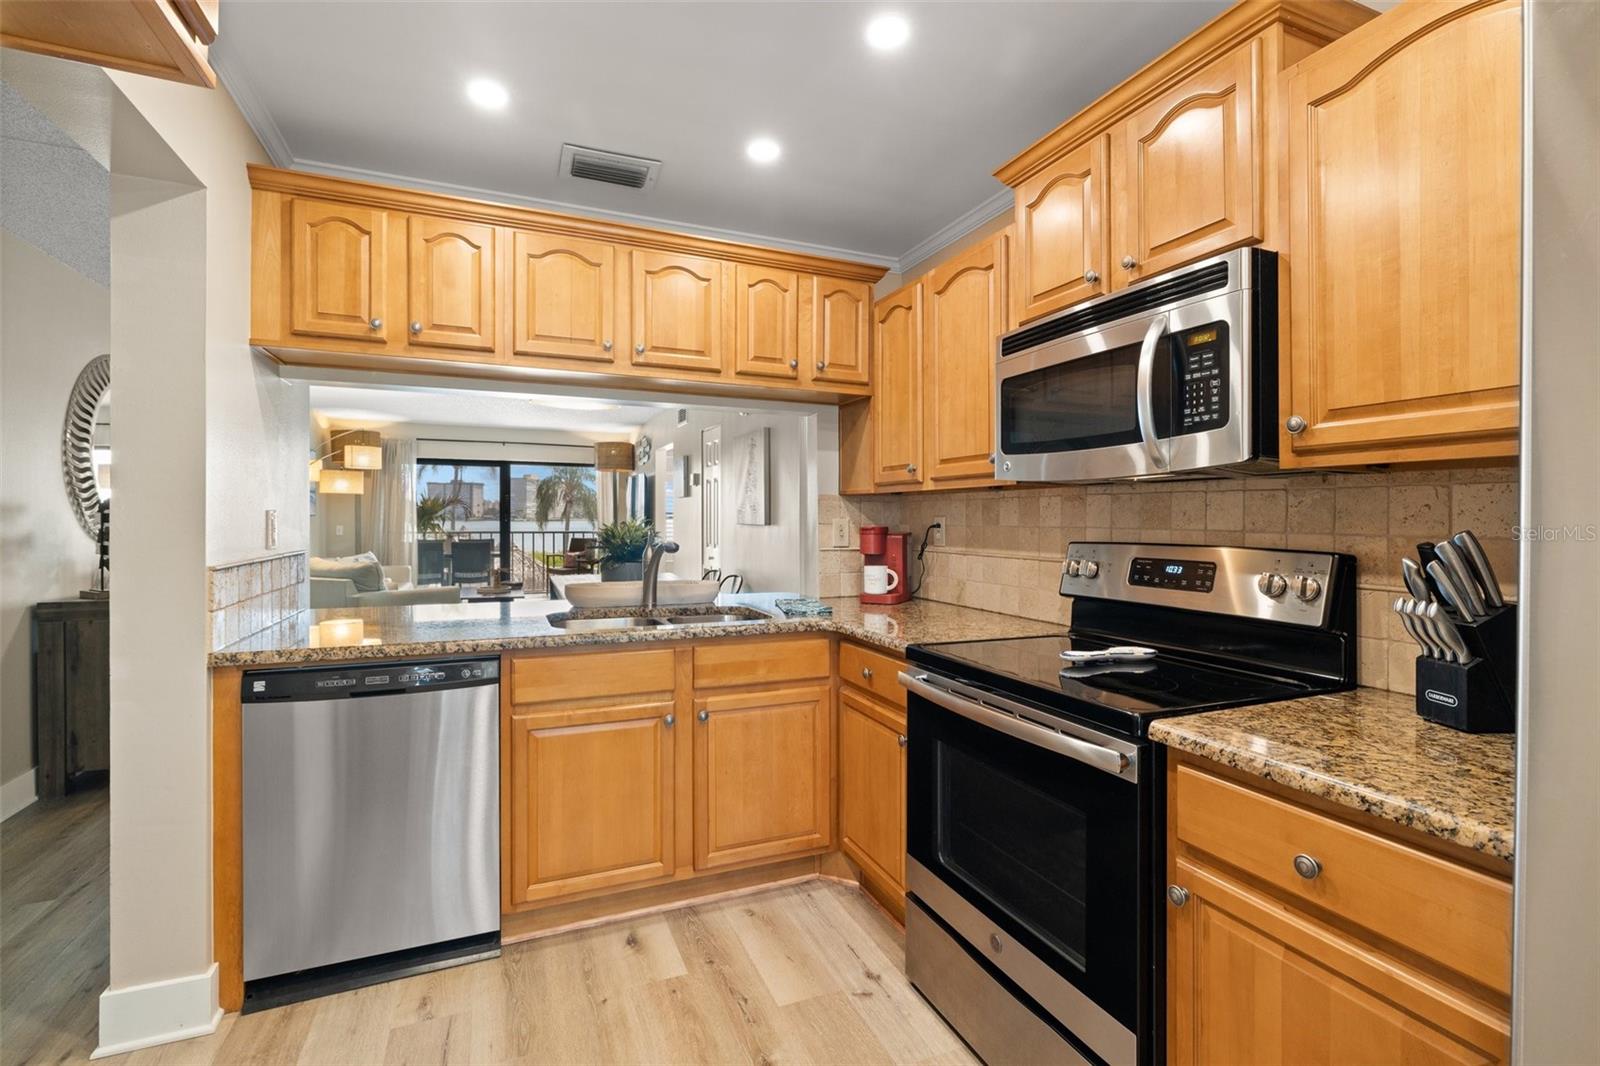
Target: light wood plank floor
<point x="804" y="973"/>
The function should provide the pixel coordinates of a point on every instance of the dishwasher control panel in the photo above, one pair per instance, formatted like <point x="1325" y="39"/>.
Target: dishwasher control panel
<point x="338" y="682"/>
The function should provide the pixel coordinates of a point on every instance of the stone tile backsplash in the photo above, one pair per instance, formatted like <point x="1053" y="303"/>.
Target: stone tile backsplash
<point x="1003" y="547"/>
<point x="245" y="598"/>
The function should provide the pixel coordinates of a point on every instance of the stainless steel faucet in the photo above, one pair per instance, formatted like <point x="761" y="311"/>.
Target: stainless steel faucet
<point x="652" y="570"/>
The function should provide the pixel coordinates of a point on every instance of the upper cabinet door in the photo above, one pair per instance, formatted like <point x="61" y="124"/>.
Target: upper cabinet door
<point x="1061" y="220"/>
<point x="1404" y="201"/>
<point x="841" y="331"/>
<point x="563" y="297"/>
<point x="897" y="390"/>
<point x="678" y="321"/>
<point x="451" y="272"/>
<point x="767" y="322"/>
<point x="965" y="313"/>
<point x="1189" y="172"/>
<point x="336" y="286"/>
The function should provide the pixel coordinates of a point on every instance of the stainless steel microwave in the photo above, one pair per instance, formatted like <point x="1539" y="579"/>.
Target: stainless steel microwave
<point x="1174" y="376"/>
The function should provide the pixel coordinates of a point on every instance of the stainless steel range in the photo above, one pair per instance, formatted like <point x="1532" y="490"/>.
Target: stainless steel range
<point x="1034" y="795"/>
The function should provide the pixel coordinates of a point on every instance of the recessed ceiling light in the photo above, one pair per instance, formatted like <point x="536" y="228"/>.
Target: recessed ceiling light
<point x="888" y="32"/>
<point x="488" y="94"/>
<point x="763" y="150"/>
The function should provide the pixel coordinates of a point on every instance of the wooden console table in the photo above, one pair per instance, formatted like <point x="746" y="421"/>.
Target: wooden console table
<point x="71" y="694"/>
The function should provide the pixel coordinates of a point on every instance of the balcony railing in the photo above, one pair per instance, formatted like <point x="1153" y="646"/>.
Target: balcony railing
<point x="533" y="553"/>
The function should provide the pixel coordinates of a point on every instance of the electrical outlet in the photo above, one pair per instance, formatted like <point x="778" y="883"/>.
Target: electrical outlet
<point x="841" y="533"/>
<point x="272" y="528"/>
<point x="338" y="531"/>
<point x="940" y="523"/>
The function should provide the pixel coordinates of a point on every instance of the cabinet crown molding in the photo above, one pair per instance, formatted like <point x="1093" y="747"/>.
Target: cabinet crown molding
<point x="1319" y="21"/>
<point x="372" y="194"/>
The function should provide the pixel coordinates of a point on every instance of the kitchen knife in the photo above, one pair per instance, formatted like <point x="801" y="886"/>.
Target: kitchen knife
<point x="1415" y="582"/>
<point x="1473" y="550"/>
<point x="1465" y="579"/>
<point x="1410" y="624"/>
<point x="1448" y="631"/>
<point x="1425" y="555"/>
<point x="1449" y="592"/>
<point x="1429" y="648"/>
<point x="1429" y="623"/>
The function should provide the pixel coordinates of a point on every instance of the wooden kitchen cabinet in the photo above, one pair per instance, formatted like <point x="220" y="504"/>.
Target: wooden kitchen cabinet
<point x="593" y="798"/>
<point x="965" y="312"/>
<point x="763" y="774"/>
<point x="872" y="793"/>
<point x="1404" y="193"/>
<point x="678" y="314"/>
<point x="766" y="322"/>
<point x="161" y="38"/>
<point x="1187" y="170"/>
<point x="841" y="331"/>
<point x="1061" y="218"/>
<point x="338" y="271"/>
<point x="1390" y="951"/>
<point x="563" y="298"/>
<point x="452" y="283"/>
<point x="897" y="388"/>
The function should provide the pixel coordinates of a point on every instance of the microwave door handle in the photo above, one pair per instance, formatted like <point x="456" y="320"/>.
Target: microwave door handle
<point x="1144" y="401"/>
<point x="1112" y="762"/>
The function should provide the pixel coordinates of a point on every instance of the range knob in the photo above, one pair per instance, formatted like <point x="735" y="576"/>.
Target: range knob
<point x="1074" y="567"/>
<point x="1090" y="568"/>
<point x="1306" y="588"/>
<point x="1272" y="585"/>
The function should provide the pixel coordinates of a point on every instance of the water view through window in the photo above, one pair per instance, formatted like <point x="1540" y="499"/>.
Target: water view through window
<point x="522" y="519"/>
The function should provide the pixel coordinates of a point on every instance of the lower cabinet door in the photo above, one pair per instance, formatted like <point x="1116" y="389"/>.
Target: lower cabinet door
<point x="872" y="787"/>
<point x="591" y="799"/>
<point x="1250" y="980"/>
<point x="762" y="773"/>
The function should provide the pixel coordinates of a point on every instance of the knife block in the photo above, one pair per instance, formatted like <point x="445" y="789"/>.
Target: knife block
<point x="1479" y="695"/>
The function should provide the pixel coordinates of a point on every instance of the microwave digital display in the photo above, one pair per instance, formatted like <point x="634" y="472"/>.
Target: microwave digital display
<point x="1185" y="575"/>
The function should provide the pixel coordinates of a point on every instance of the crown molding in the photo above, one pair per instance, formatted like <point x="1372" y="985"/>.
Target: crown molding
<point x="537" y="203"/>
<point x="256" y="116"/>
<point x="996" y="205"/>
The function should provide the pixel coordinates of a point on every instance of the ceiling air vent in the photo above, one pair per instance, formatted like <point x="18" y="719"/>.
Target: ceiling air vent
<point x="613" y="168"/>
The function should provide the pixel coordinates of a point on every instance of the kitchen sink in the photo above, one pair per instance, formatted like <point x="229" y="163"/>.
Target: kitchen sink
<point x="587" y="625"/>
<point x="710" y="619"/>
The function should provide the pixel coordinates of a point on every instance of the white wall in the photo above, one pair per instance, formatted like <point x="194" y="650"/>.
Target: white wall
<point x="55" y="320"/>
<point x="778" y="557"/>
<point x="1556" y="979"/>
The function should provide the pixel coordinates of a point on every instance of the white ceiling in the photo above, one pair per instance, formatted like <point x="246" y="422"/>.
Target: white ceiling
<point x="881" y="152"/>
<point x="368" y="408"/>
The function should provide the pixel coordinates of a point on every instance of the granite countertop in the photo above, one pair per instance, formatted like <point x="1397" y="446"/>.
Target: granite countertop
<point x="1368" y="749"/>
<point x="341" y="635"/>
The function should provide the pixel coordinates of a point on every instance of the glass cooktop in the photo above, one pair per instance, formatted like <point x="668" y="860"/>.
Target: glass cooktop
<point x="1122" y="696"/>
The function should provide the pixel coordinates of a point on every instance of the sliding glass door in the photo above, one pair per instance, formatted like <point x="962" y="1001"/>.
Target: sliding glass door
<point x="476" y="517"/>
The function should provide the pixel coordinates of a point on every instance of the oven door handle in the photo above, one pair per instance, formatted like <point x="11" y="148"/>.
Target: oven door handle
<point x="1144" y="400"/>
<point x="1112" y="762"/>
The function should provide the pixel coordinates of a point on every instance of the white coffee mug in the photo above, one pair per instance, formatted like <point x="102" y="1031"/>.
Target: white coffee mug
<point x="876" y="580"/>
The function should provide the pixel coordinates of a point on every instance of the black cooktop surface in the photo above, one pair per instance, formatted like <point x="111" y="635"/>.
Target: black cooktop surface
<point x="1123" y="696"/>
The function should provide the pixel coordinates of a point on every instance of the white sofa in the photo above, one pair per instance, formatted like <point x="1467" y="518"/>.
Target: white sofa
<point x="398" y="591"/>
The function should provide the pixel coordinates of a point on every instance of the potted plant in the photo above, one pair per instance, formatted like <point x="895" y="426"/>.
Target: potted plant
<point x="620" y="547"/>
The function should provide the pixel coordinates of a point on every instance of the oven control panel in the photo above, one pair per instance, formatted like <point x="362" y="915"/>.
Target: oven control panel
<point x="1266" y="583"/>
<point x="1202" y="385"/>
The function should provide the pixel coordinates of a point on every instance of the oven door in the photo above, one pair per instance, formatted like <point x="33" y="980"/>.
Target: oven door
<point x="1161" y="393"/>
<point x="1027" y="837"/>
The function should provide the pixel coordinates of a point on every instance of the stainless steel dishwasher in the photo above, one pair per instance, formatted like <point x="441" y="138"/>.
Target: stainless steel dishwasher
<point x="371" y="824"/>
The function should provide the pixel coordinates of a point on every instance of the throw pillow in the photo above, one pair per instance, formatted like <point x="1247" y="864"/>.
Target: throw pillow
<point x="363" y="569"/>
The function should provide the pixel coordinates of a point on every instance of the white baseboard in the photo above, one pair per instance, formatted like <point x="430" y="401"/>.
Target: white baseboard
<point x="160" y="1012"/>
<point x="18" y="794"/>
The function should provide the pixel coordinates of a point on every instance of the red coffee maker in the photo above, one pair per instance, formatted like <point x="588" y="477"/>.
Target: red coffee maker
<point x="886" y="559"/>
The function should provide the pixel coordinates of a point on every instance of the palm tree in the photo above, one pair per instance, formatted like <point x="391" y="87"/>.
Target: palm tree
<point x="567" y="493"/>
<point x="430" y="515"/>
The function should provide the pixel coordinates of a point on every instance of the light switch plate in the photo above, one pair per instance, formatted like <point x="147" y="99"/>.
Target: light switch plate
<point x="841" y="533"/>
<point x="272" y="528"/>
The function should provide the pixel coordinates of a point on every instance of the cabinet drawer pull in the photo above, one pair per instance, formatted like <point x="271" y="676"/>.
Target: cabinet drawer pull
<point x="866" y="672"/>
<point x="1178" y="895"/>
<point x="704" y="716"/>
<point x="1307" y="867"/>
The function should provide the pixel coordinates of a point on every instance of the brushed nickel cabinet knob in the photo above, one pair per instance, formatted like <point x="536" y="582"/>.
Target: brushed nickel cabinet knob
<point x="1307" y="867"/>
<point x="1091" y="276"/>
<point x="605" y="346"/>
<point x="1294" y="424"/>
<point x="638" y="349"/>
<point x="1178" y="895"/>
<point x="669" y="720"/>
<point x="376" y="323"/>
<point x="900" y="738"/>
<point x="794" y="364"/>
<point x="704" y="716"/>
<point x="1129" y="262"/>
